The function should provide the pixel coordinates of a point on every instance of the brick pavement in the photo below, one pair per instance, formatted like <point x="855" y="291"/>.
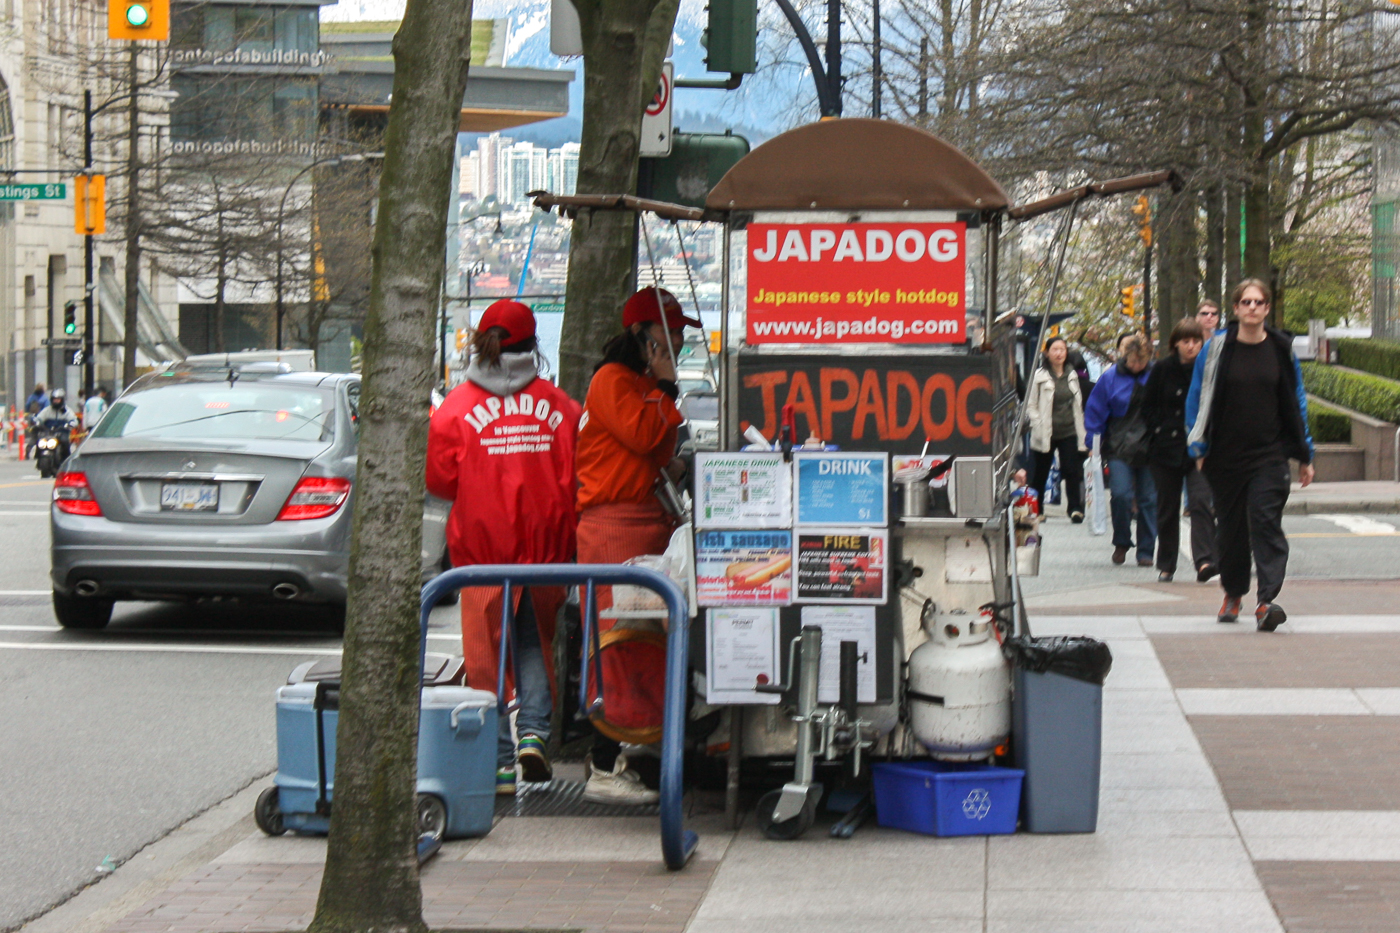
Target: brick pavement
<point x="1343" y="660"/>
<point x="596" y="897"/>
<point x="1334" y="897"/>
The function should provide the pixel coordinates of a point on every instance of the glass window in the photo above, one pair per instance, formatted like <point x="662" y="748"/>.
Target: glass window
<point x="214" y="410"/>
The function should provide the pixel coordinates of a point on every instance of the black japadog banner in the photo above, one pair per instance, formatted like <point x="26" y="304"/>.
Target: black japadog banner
<point x="892" y="403"/>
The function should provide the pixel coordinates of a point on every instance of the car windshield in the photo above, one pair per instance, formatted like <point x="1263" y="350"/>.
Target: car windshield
<point x="700" y="407"/>
<point x="248" y="410"/>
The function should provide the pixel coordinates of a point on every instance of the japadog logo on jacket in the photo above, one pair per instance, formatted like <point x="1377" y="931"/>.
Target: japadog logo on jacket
<point x="521" y="403"/>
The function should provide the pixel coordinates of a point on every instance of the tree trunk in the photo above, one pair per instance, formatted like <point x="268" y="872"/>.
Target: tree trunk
<point x="132" y="270"/>
<point x="623" y="44"/>
<point x="1215" y="242"/>
<point x="220" y="287"/>
<point x="1233" y="268"/>
<point x="371" y="882"/>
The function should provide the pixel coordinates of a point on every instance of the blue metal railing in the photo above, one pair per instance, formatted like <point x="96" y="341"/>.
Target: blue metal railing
<point x="677" y="843"/>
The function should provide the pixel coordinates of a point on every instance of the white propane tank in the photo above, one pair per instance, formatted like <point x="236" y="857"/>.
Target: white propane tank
<point x="959" y="688"/>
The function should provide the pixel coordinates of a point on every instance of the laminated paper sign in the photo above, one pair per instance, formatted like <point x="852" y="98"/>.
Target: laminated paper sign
<point x="742" y="652"/>
<point x="843" y="565"/>
<point x="742" y="490"/>
<point x="838" y="624"/>
<point x="842" y="488"/>
<point x="834" y="283"/>
<point x="743" y="568"/>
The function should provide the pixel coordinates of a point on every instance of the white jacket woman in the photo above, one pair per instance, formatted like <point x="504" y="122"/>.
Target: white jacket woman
<point x="1046" y="440"/>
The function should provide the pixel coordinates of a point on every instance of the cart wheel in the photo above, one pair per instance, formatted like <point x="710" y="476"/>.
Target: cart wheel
<point x="267" y="813"/>
<point x="787" y="829"/>
<point x="432" y="817"/>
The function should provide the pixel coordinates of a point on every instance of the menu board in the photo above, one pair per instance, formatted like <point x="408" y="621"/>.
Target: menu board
<point x="744" y="568"/>
<point x="842" y="565"/>
<point x="837" y="488"/>
<point x="742" y="490"/>
<point x="743" y="651"/>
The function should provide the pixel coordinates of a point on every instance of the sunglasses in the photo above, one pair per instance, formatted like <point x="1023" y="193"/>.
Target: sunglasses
<point x="1252" y="303"/>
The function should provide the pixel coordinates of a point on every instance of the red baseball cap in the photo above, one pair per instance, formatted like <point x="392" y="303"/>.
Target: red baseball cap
<point x="517" y="319"/>
<point x="645" y="306"/>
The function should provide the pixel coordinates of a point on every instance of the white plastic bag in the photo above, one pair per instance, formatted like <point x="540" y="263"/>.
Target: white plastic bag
<point x="1096" y="494"/>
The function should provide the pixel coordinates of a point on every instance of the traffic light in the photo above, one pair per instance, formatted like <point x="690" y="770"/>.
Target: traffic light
<point x="1144" y="211"/>
<point x="147" y="20"/>
<point x="70" y="317"/>
<point x="90" y="204"/>
<point x="1126" y="303"/>
<point x="731" y="36"/>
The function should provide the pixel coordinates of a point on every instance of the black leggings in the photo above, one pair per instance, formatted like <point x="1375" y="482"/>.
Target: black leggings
<point x="1071" y="471"/>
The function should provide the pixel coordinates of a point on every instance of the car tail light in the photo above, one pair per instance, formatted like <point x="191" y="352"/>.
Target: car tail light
<point x="315" y="497"/>
<point x="72" y="494"/>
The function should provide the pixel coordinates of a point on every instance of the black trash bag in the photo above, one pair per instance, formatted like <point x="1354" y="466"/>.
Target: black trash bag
<point x="1077" y="656"/>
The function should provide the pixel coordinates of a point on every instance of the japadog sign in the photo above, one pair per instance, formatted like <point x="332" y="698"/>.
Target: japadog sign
<point x="834" y="283"/>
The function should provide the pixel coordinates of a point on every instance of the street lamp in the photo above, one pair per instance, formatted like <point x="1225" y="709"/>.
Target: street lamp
<point x="281" y="214"/>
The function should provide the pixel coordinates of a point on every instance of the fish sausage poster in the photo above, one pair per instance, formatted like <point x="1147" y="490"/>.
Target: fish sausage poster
<point x="743" y="568"/>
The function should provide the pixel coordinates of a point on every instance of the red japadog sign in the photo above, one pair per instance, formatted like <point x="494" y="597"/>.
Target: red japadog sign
<point x="857" y="283"/>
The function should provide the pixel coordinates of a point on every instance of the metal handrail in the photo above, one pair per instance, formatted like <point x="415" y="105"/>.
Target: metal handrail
<point x="677" y="843"/>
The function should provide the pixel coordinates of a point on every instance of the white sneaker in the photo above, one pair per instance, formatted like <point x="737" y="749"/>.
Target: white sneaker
<point x="618" y="786"/>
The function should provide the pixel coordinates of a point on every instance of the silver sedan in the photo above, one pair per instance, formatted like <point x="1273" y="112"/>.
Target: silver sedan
<point x="199" y="484"/>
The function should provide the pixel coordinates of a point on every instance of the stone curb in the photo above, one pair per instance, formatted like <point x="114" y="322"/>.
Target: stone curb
<point x="1302" y="505"/>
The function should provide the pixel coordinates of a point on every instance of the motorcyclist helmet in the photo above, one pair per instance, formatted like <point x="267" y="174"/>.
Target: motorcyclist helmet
<point x="58" y="397"/>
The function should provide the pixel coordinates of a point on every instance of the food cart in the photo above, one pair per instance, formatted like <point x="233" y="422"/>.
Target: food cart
<point x="860" y="499"/>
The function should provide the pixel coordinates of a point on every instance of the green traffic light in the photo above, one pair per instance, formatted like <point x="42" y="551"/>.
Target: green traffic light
<point x="71" y="327"/>
<point x="138" y="15"/>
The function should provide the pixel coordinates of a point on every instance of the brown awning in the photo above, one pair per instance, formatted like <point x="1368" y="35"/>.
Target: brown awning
<point x="856" y="164"/>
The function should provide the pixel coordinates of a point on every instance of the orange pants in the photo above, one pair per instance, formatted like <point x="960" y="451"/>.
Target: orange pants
<point x="481" y="632"/>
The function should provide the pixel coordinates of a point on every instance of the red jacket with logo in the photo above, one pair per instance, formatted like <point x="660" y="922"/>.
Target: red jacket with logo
<point x="507" y="465"/>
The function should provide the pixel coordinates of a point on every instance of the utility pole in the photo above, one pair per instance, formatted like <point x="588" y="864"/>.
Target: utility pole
<point x="1143" y="209"/>
<point x="876" y="71"/>
<point x="828" y="79"/>
<point x="87" y="253"/>
<point x="134" y="222"/>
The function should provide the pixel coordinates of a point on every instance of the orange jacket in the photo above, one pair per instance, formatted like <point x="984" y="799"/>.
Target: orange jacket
<point x="627" y="435"/>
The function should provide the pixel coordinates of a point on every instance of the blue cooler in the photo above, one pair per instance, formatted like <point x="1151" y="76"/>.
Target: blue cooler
<point x="456" y="753"/>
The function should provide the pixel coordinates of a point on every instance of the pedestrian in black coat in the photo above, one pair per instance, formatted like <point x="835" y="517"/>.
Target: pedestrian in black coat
<point x="1164" y="410"/>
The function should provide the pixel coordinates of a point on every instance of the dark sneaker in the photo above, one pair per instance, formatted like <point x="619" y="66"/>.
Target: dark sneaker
<point x="1164" y="577"/>
<point x="1205" y="572"/>
<point x="1269" y="616"/>
<point x="534" y="763"/>
<point x="1076" y="517"/>
<point x="1120" y="554"/>
<point x="1229" y="610"/>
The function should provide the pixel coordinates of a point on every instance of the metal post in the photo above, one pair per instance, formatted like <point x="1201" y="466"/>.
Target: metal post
<point x="1147" y="291"/>
<point x="876" y="73"/>
<point x="87" y="253"/>
<point x="833" y="55"/>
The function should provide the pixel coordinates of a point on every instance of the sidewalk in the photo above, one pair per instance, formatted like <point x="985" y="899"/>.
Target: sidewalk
<point x="1249" y="784"/>
<point x="1323" y="498"/>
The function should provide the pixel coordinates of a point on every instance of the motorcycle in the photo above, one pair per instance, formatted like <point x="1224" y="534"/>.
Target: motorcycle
<point x="51" y="448"/>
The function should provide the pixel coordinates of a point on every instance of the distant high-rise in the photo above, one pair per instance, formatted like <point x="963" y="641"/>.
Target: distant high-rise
<point x="488" y="167"/>
<point x="562" y="173"/>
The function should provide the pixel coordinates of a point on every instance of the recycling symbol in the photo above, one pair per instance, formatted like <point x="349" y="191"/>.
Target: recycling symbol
<point x="977" y="804"/>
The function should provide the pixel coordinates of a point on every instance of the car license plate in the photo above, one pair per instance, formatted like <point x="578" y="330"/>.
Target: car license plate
<point x="189" y="497"/>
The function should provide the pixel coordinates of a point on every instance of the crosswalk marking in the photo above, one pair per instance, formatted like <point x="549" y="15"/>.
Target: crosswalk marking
<point x="1360" y="524"/>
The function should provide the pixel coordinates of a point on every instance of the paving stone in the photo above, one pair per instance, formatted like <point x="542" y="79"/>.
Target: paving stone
<point x="1304" y="762"/>
<point x="1369" y="660"/>
<point x="1334" y="897"/>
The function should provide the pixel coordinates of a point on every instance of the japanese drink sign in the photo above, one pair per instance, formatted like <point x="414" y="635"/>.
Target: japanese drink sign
<point x="742" y="490"/>
<point x="835" y="283"/>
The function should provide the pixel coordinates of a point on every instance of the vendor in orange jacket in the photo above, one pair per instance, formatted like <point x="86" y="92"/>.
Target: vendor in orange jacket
<point x="501" y="449"/>
<point x="627" y="438"/>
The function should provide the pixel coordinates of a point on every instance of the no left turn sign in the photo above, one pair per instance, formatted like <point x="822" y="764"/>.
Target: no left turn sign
<point x="656" y="118"/>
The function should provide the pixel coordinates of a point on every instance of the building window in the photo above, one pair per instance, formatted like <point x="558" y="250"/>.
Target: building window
<point x="240" y="107"/>
<point x="245" y="28"/>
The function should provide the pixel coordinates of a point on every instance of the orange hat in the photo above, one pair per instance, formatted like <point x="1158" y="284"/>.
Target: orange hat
<point x="517" y="320"/>
<point x="645" y="306"/>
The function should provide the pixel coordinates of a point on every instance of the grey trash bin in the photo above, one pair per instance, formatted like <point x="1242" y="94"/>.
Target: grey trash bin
<point x="1057" y="731"/>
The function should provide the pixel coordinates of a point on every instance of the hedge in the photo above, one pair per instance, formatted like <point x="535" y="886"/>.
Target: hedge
<point x="1373" y="355"/>
<point x="1370" y="395"/>
<point x="1327" y="425"/>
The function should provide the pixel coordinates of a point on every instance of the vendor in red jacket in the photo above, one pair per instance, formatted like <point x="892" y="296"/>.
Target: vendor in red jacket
<point x="501" y="449"/>
<point x="626" y="439"/>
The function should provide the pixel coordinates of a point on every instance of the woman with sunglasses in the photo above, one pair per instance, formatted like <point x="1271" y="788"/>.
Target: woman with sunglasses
<point x="1248" y="414"/>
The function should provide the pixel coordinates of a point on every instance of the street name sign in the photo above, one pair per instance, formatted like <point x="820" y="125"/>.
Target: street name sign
<point x="48" y="191"/>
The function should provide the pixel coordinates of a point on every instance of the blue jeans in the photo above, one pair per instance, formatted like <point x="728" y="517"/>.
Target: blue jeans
<point x="531" y="686"/>
<point x="1126" y="485"/>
